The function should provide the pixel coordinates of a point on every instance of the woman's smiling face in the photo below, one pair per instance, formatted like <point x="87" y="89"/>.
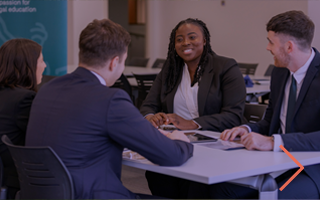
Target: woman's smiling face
<point x="189" y="42"/>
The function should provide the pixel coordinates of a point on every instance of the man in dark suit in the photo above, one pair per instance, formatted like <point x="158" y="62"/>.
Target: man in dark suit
<point x="293" y="112"/>
<point x="89" y="124"/>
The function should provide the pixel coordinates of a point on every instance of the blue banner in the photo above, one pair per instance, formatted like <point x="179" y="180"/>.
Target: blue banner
<point x="44" y="21"/>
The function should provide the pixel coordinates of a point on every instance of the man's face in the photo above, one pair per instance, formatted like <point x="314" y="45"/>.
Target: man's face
<point x="277" y="49"/>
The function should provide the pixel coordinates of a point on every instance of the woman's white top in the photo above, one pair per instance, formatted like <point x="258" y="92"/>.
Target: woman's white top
<point x="185" y="103"/>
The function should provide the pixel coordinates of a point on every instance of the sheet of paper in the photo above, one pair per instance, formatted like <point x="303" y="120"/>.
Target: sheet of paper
<point x="131" y="155"/>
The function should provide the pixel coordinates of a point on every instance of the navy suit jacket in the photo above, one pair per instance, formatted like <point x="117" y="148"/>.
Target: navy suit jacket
<point x="88" y="125"/>
<point x="15" y="107"/>
<point x="305" y="126"/>
<point x="221" y="94"/>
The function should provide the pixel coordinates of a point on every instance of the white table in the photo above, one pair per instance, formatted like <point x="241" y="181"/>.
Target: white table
<point x="250" y="90"/>
<point x="130" y="70"/>
<point x="211" y="166"/>
<point x="261" y="87"/>
<point x="258" y="89"/>
<point x="253" y="93"/>
<point x="258" y="77"/>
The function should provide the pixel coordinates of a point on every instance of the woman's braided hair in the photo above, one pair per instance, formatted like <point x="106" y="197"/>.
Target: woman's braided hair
<point x="176" y="63"/>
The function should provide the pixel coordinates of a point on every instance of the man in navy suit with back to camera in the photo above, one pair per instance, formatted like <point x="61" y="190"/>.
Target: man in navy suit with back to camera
<point x="88" y="124"/>
<point x="293" y="114"/>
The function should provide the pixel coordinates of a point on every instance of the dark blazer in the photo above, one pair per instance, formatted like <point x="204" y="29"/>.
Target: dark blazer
<point x="221" y="94"/>
<point x="305" y="126"/>
<point x="88" y="125"/>
<point x="15" y="107"/>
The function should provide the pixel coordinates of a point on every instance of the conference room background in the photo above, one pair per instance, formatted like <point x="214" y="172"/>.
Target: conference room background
<point x="237" y="27"/>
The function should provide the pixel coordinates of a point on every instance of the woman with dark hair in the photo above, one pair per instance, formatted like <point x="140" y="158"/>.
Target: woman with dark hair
<point x="199" y="88"/>
<point x="195" y="89"/>
<point x="21" y="68"/>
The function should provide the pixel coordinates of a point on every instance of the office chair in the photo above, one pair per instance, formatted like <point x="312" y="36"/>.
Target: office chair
<point x="124" y="84"/>
<point x="254" y="112"/>
<point x="144" y="84"/>
<point x="158" y="63"/>
<point x="137" y="61"/>
<point x="247" y="69"/>
<point x="3" y="189"/>
<point x="45" y="79"/>
<point x="42" y="174"/>
<point x="269" y="70"/>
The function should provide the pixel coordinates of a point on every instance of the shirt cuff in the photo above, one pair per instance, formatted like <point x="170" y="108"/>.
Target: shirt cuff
<point x="199" y="127"/>
<point x="148" y="114"/>
<point x="248" y="127"/>
<point x="277" y="139"/>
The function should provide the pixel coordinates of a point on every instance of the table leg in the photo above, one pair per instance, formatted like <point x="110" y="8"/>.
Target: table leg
<point x="268" y="188"/>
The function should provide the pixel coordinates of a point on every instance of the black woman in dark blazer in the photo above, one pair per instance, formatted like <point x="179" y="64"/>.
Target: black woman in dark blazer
<point x="219" y="99"/>
<point x="21" y="68"/>
<point x="195" y="89"/>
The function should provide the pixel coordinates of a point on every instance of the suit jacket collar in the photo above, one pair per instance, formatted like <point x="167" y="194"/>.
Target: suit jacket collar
<point x="312" y="71"/>
<point x="281" y="75"/>
<point x="205" y="85"/>
<point x="170" y="96"/>
<point x="85" y="73"/>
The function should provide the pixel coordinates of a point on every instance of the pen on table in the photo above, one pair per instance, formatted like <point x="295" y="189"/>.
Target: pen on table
<point x="234" y="148"/>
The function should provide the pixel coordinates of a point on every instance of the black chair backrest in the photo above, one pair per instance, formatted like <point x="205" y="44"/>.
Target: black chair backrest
<point x="42" y="174"/>
<point x="45" y="79"/>
<point x="124" y="84"/>
<point x="247" y="69"/>
<point x="137" y="61"/>
<point x="269" y="70"/>
<point x="144" y="84"/>
<point x="3" y="189"/>
<point x="158" y="63"/>
<point x="254" y="112"/>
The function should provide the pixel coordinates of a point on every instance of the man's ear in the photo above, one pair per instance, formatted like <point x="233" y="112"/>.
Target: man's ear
<point x="113" y="63"/>
<point x="289" y="46"/>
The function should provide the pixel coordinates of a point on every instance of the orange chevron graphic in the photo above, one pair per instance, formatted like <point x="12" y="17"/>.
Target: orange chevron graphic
<point x="295" y="174"/>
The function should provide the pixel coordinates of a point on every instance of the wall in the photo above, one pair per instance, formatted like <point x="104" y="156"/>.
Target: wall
<point x="80" y="14"/>
<point x="313" y="12"/>
<point x="237" y="29"/>
<point x="118" y="12"/>
<point x="137" y="47"/>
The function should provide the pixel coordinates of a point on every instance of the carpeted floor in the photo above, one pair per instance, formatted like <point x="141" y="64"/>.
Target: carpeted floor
<point x="134" y="180"/>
